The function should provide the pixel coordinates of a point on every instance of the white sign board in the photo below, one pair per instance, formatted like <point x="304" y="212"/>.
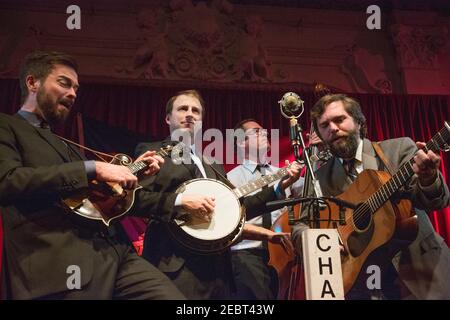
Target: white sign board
<point x="322" y="265"/>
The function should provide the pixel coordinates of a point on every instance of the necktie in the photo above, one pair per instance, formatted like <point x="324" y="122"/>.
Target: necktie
<point x="266" y="217"/>
<point x="349" y="166"/>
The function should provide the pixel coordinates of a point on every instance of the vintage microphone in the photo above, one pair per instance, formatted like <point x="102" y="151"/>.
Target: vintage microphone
<point x="291" y="107"/>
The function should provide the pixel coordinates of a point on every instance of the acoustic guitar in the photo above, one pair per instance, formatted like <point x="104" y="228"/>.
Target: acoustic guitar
<point x="375" y="219"/>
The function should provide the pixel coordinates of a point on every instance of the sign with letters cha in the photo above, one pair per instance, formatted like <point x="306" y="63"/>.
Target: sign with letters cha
<point x="322" y="265"/>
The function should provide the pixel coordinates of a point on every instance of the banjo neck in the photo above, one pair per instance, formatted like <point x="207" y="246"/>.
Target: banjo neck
<point x="250" y="187"/>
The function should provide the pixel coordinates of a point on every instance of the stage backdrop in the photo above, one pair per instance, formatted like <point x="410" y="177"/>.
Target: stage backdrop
<point x="118" y="116"/>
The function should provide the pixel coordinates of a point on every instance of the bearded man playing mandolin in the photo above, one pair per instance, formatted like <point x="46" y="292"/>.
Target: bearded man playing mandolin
<point x="51" y="252"/>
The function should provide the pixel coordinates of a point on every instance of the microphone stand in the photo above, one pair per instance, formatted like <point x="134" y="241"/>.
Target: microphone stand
<point x="291" y="107"/>
<point x="317" y="202"/>
<point x="297" y="141"/>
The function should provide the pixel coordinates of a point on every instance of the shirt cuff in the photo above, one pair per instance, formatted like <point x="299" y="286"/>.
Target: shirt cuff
<point x="91" y="171"/>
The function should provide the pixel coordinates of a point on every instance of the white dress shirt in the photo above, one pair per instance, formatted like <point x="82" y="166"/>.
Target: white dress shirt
<point x="245" y="173"/>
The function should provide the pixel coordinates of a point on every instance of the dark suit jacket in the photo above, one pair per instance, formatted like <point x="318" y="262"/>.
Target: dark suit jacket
<point x="424" y="265"/>
<point x="158" y="199"/>
<point x="41" y="240"/>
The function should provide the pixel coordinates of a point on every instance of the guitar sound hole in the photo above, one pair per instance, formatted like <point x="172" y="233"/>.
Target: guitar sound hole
<point x="362" y="219"/>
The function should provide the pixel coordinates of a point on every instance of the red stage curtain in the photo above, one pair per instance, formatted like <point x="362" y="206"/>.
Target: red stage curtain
<point x="142" y="110"/>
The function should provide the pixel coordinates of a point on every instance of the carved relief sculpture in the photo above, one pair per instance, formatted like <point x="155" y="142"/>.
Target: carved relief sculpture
<point x="200" y="42"/>
<point x="419" y="47"/>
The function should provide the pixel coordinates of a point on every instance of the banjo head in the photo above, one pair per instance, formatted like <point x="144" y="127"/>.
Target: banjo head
<point x="225" y="218"/>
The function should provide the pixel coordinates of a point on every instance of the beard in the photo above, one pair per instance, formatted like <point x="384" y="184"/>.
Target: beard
<point x="50" y="109"/>
<point x="346" y="148"/>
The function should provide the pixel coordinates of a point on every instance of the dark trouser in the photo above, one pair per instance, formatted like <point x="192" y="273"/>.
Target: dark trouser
<point x="204" y="277"/>
<point x="254" y="278"/>
<point x="119" y="273"/>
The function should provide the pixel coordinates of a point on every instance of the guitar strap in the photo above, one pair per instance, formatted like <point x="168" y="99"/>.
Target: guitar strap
<point x="383" y="158"/>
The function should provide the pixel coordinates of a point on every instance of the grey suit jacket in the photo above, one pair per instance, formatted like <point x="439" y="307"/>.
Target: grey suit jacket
<point x="424" y="267"/>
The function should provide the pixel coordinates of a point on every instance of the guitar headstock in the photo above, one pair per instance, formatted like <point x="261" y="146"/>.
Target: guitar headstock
<point x="440" y="141"/>
<point x="445" y="146"/>
<point x="174" y="151"/>
<point x="165" y="151"/>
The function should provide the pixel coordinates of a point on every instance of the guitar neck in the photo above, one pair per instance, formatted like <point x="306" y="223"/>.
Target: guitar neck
<point x="138" y="166"/>
<point x="260" y="182"/>
<point x="405" y="172"/>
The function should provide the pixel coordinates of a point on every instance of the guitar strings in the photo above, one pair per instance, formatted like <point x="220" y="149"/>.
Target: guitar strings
<point x="365" y="209"/>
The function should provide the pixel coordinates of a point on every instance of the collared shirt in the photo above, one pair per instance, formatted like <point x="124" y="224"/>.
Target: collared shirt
<point x="247" y="172"/>
<point x="358" y="158"/>
<point x="31" y="118"/>
<point x="196" y="159"/>
<point x="36" y="121"/>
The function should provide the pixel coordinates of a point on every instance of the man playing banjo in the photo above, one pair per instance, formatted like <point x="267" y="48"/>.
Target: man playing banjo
<point x="198" y="276"/>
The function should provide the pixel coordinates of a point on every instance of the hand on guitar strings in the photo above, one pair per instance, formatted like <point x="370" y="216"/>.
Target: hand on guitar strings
<point x="426" y="165"/>
<point x="293" y="174"/>
<point x="153" y="161"/>
<point x="198" y="205"/>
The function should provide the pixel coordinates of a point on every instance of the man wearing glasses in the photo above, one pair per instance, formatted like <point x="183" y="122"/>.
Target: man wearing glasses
<point x="254" y="278"/>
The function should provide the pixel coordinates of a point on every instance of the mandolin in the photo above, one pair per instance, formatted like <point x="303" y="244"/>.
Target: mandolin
<point x="107" y="201"/>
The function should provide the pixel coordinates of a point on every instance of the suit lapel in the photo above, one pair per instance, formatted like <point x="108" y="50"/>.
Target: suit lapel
<point x="209" y="170"/>
<point x="333" y="173"/>
<point x="368" y="157"/>
<point x="187" y="166"/>
<point x="339" y="175"/>
<point x="76" y="152"/>
<point x="51" y="139"/>
<point x="55" y="142"/>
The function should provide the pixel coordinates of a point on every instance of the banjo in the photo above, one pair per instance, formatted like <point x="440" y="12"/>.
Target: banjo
<point x="228" y="218"/>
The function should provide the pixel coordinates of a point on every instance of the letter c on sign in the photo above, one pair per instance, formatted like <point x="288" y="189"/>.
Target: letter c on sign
<point x="318" y="242"/>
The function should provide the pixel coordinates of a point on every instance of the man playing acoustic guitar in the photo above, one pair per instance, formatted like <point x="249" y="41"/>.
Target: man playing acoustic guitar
<point x="417" y="270"/>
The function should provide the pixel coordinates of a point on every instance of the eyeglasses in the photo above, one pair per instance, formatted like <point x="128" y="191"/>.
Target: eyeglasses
<point x="259" y="131"/>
